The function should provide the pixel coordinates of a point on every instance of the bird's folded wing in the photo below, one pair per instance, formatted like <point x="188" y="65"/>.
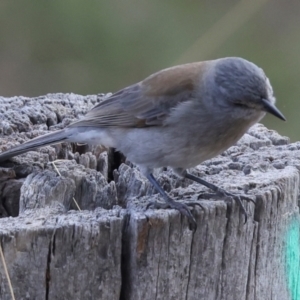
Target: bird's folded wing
<point x="147" y="103"/>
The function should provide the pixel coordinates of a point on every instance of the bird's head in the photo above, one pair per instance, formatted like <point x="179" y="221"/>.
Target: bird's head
<point x="243" y="84"/>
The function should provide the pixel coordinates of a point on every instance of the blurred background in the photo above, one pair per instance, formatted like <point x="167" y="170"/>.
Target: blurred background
<point x="90" y="47"/>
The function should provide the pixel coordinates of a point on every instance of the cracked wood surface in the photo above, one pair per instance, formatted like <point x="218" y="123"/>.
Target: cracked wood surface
<point x="114" y="249"/>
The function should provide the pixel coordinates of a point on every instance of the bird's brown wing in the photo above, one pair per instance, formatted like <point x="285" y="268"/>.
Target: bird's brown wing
<point x="147" y="103"/>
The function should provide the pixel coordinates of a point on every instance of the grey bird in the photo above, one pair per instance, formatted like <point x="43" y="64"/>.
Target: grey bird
<point x="177" y="117"/>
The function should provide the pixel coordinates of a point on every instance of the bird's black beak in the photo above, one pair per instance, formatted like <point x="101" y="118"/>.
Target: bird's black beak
<point x="272" y="109"/>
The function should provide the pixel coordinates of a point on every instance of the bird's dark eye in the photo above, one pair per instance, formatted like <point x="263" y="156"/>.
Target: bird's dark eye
<point x="240" y="104"/>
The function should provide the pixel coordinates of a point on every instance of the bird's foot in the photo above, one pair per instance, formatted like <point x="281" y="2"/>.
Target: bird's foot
<point x="228" y="197"/>
<point x="183" y="208"/>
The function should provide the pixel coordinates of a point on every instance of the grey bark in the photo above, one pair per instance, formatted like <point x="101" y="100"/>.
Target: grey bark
<point x="114" y="248"/>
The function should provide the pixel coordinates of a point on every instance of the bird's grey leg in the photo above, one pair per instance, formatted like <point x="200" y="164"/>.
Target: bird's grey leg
<point x="218" y="191"/>
<point x="170" y="203"/>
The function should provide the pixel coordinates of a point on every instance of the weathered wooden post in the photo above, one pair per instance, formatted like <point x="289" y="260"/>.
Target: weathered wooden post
<point x="113" y="248"/>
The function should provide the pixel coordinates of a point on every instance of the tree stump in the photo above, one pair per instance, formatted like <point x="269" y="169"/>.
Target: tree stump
<point x="116" y="249"/>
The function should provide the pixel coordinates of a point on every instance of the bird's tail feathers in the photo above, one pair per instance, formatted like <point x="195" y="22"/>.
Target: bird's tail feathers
<point x="47" y="139"/>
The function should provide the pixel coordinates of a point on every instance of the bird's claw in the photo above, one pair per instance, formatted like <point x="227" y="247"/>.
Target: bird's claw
<point x="228" y="196"/>
<point x="183" y="208"/>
